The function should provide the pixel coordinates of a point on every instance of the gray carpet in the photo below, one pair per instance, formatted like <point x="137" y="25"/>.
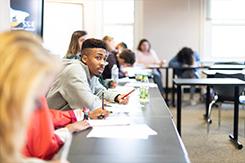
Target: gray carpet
<point x="214" y="146"/>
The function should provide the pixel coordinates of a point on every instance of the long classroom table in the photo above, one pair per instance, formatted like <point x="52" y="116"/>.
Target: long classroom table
<point x="166" y="146"/>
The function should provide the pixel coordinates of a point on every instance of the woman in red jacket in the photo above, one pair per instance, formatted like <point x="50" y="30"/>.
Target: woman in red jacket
<point x="48" y="129"/>
<point x="24" y="67"/>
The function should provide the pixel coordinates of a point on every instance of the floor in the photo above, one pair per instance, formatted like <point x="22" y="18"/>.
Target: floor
<point x="211" y="145"/>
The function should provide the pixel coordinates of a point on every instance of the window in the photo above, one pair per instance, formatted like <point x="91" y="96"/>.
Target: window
<point x="118" y="20"/>
<point x="227" y="28"/>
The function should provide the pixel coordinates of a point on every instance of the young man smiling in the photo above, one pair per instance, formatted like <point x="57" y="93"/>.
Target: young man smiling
<point x="77" y="85"/>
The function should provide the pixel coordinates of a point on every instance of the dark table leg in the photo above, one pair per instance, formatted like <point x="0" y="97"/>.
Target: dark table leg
<point x="166" y="87"/>
<point x="207" y="102"/>
<point x="179" y="109"/>
<point x="234" y="137"/>
<point x="173" y="89"/>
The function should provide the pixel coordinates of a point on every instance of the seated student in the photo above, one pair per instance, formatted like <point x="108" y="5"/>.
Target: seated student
<point x="186" y="57"/>
<point x="145" y="55"/>
<point x="77" y="85"/>
<point x="74" y="50"/>
<point x="48" y="129"/>
<point x="24" y="68"/>
<point x="126" y="58"/>
<point x="121" y="46"/>
<point x="111" y="59"/>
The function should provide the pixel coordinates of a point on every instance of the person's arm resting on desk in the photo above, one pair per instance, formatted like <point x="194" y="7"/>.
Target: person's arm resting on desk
<point x="43" y="141"/>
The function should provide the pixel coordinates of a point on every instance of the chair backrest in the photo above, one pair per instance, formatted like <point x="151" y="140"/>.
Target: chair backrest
<point x="226" y="93"/>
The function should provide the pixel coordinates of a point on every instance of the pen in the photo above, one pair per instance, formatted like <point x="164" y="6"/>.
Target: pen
<point x="102" y="98"/>
<point x="102" y="116"/>
<point x="107" y="105"/>
<point x="103" y="107"/>
<point x="103" y="101"/>
<point x="128" y="93"/>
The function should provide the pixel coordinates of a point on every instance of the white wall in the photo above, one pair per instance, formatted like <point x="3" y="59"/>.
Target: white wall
<point x="4" y="15"/>
<point x="168" y="24"/>
<point x="171" y="24"/>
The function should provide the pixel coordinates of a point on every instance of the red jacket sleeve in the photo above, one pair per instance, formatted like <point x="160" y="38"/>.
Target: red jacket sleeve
<point x="41" y="140"/>
<point x="62" y="118"/>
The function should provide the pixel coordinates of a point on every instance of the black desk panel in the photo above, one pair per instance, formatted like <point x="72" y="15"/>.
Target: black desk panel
<point x="166" y="146"/>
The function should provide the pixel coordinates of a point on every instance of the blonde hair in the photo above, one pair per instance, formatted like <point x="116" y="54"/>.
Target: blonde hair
<point x="23" y="66"/>
<point x="108" y="39"/>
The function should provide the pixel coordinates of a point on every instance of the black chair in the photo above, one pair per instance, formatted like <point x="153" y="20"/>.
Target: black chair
<point x="224" y="93"/>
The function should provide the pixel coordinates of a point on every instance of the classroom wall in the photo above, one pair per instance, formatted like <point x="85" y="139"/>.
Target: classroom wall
<point x="168" y="24"/>
<point x="4" y="15"/>
<point x="171" y="24"/>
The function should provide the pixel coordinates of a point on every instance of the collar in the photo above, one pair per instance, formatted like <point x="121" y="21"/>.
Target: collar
<point x="86" y="70"/>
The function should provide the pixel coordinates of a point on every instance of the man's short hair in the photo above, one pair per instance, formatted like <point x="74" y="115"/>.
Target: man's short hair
<point x="128" y="56"/>
<point x="93" y="43"/>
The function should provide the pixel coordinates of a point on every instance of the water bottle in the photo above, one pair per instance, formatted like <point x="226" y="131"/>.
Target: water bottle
<point x="144" y="90"/>
<point x="114" y="73"/>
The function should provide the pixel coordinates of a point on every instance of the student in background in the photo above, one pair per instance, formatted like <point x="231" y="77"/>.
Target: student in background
<point x="77" y="85"/>
<point x="121" y="46"/>
<point x="24" y="68"/>
<point x="185" y="58"/>
<point x="146" y="56"/>
<point x="126" y="58"/>
<point x="111" y="59"/>
<point x="74" y="50"/>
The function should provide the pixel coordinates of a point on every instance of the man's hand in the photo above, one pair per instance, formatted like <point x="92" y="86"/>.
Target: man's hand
<point x="121" y="99"/>
<point x="95" y="114"/>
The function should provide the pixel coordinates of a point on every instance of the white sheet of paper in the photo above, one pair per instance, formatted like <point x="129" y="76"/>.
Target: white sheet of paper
<point x="139" y="84"/>
<point x="125" y="80"/>
<point x="110" y="122"/>
<point x="122" y="89"/>
<point x="141" y="131"/>
<point x="132" y="107"/>
<point x="139" y="69"/>
<point x="115" y="107"/>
